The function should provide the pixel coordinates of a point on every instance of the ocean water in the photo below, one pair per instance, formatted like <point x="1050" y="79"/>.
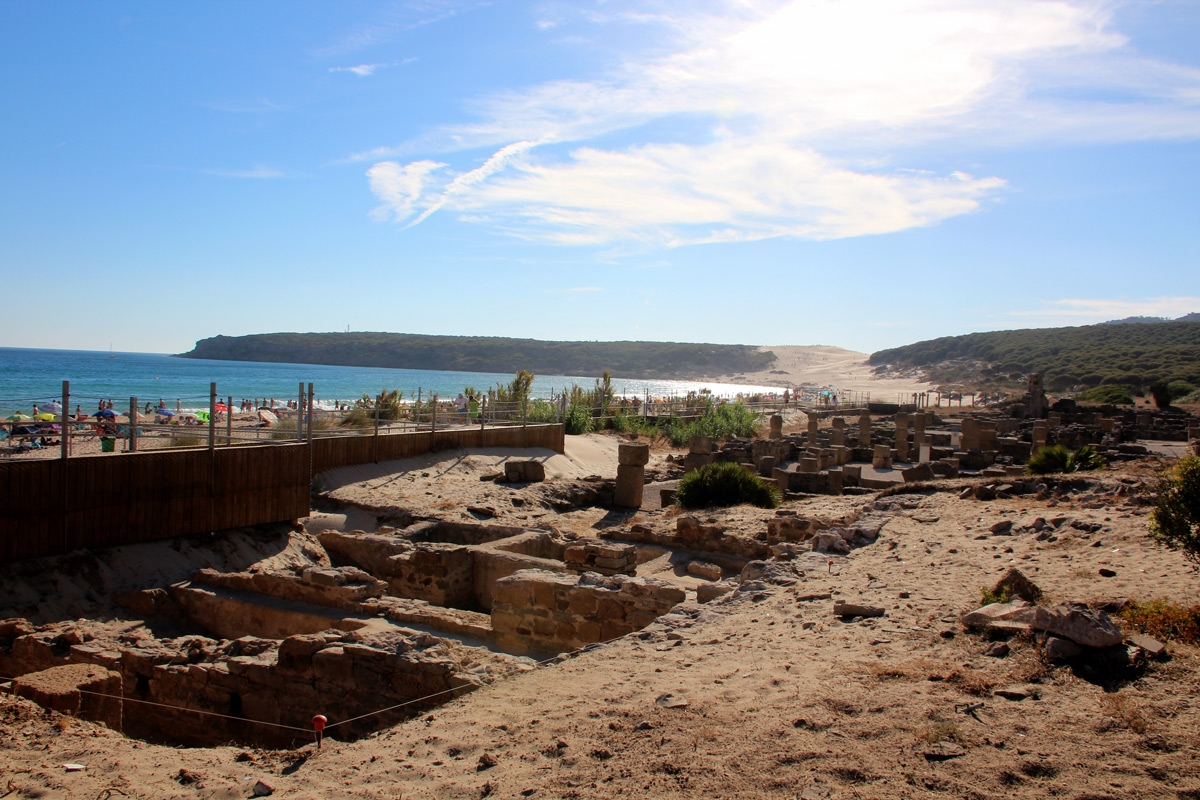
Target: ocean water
<point x="29" y="376"/>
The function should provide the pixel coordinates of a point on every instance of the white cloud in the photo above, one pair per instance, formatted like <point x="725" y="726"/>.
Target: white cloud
<point x="362" y="70"/>
<point x="400" y="188"/>
<point x="783" y="103"/>
<point x="1087" y="311"/>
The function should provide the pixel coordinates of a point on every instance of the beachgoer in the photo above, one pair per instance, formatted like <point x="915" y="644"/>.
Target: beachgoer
<point x="786" y="397"/>
<point x="460" y="405"/>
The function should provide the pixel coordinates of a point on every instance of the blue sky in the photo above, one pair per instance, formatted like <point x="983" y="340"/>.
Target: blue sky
<point x="862" y="173"/>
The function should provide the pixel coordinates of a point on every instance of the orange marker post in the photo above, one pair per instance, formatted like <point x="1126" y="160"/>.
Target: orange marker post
<point x="319" y="726"/>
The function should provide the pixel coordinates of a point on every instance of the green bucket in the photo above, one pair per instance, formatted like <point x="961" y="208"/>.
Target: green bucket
<point x="108" y="444"/>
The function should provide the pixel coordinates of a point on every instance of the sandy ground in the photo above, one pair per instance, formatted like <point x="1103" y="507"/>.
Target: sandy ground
<point x="782" y="698"/>
<point x="823" y="365"/>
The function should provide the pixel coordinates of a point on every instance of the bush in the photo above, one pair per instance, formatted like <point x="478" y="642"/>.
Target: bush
<point x="1163" y="619"/>
<point x="579" y="420"/>
<point x="1175" y="520"/>
<point x="731" y="419"/>
<point x="1180" y="389"/>
<point x="725" y="484"/>
<point x="1161" y="392"/>
<point x="1118" y="395"/>
<point x="1057" y="458"/>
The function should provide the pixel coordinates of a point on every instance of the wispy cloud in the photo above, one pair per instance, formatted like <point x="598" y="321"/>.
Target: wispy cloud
<point x="256" y="173"/>
<point x="578" y="290"/>
<point x="405" y="190"/>
<point x="393" y="21"/>
<point x="362" y="70"/>
<point x="783" y="103"/>
<point x="366" y="70"/>
<point x="1086" y="311"/>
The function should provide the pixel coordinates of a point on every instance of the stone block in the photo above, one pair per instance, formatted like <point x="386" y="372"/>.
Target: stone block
<point x="704" y="569"/>
<point x="921" y="472"/>
<point x="86" y="691"/>
<point x="700" y="445"/>
<point x="633" y="453"/>
<point x="694" y="461"/>
<point x="776" y="427"/>
<point x="524" y="471"/>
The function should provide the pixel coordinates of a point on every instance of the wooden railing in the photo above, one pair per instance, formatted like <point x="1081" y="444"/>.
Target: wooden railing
<point x="55" y="506"/>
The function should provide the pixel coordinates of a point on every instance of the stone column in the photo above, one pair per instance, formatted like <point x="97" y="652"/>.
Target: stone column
<point x="987" y="435"/>
<point x="812" y="430"/>
<point x="919" y="435"/>
<point x="632" y="458"/>
<point x="776" y="427"/>
<point x="838" y="437"/>
<point x="1040" y="432"/>
<point x="902" y="420"/>
<point x="864" y="429"/>
<point x="970" y="435"/>
<point x="883" y="457"/>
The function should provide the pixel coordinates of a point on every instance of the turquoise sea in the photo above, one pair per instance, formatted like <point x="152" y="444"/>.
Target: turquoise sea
<point x="29" y="376"/>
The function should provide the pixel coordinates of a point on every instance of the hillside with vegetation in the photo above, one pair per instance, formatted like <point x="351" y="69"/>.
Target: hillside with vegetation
<point x="663" y="360"/>
<point x="1131" y="355"/>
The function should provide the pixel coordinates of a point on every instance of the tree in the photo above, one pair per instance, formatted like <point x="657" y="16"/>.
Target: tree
<point x="1175" y="520"/>
<point x="1161" y="392"/>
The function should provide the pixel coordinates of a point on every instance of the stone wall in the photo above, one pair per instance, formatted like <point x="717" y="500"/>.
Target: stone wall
<point x="555" y="612"/>
<point x="335" y="673"/>
<point x="691" y="534"/>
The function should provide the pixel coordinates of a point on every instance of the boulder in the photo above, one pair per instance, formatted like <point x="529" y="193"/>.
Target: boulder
<point x="1083" y="626"/>
<point x="1017" y="585"/>
<point x="1061" y="649"/>
<point x="844" y="609"/>
<point x="830" y="542"/>
<point x="707" y="592"/>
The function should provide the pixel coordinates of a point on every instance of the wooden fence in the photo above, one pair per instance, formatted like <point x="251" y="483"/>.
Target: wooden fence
<point x="51" y="507"/>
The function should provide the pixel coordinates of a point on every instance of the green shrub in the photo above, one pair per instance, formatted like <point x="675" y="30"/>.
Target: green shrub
<point x="1175" y="520"/>
<point x="1118" y="395"/>
<point x="731" y="419"/>
<point x="1057" y="458"/>
<point x="1180" y="389"/>
<point x="579" y="420"/>
<point x="725" y="484"/>
<point x="987" y="596"/>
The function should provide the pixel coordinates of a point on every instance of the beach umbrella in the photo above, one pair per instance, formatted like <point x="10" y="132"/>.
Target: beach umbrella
<point x="53" y="406"/>
<point x="220" y="407"/>
<point x="164" y="412"/>
<point x="200" y="415"/>
<point x="267" y="416"/>
<point x="44" y="417"/>
<point x="106" y="412"/>
<point x="19" y="417"/>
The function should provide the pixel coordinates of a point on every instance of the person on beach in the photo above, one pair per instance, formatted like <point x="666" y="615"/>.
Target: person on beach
<point x="460" y="406"/>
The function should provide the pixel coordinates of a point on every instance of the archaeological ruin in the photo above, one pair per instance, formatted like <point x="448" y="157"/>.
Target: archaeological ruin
<point x="369" y="627"/>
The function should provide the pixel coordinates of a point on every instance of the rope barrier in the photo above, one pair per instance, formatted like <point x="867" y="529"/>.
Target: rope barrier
<point x="324" y="725"/>
<point x="201" y="711"/>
